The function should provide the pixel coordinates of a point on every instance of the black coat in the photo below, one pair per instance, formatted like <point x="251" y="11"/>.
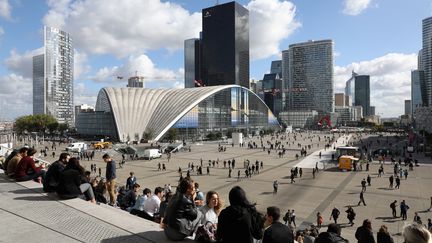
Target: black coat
<point x="384" y="238"/>
<point x="52" y="177"/>
<point x="364" y="235"/>
<point x="180" y="213"/>
<point x="329" y="237"/>
<point x="69" y="184"/>
<point x="278" y="233"/>
<point x="235" y="226"/>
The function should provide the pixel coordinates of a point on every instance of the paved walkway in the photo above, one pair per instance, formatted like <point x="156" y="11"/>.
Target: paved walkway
<point x="311" y="160"/>
<point x="307" y="196"/>
<point x="29" y="215"/>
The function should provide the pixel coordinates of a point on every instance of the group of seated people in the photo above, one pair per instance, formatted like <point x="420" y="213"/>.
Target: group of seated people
<point x="65" y="176"/>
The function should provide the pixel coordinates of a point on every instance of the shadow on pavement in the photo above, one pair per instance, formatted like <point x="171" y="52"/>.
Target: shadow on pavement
<point x="148" y="236"/>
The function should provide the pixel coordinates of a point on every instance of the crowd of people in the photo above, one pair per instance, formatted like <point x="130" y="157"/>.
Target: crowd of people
<point x="187" y="213"/>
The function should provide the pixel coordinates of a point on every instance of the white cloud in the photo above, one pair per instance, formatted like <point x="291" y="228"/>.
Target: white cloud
<point x="81" y="66"/>
<point x="83" y="95"/>
<point x="142" y="65"/>
<point x="390" y="80"/>
<point x="355" y="7"/>
<point x="16" y="91"/>
<point x="148" y="24"/>
<point x="5" y="9"/>
<point x="271" y="21"/>
<point x="1" y="31"/>
<point x="22" y="64"/>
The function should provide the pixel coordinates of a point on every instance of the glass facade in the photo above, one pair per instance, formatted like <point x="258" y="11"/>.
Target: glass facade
<point x="417" y="98"/>
<point x="299" y="119"/>
<point x="362" y="93"/>
<point x="225" y="45"/>
<point x="192" y="61"/>
<point x="310" y="85"/>
<point x="57" y="71"/>
<point x="426" y="59"/>
<point x="230" y="109"/>
<point x="38" y="85"/>
<point x="98" y="124"/>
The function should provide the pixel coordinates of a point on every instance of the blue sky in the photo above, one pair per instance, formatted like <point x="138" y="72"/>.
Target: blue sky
<point x="376" y="37"/>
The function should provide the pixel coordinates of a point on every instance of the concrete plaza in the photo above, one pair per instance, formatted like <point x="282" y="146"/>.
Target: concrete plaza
<point x="307" y="196"/>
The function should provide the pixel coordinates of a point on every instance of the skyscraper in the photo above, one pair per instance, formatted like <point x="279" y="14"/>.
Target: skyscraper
<point x="225" y="45"/>
<point x="310" y="83"/>
<point x="426" y="59"/>
<point x="53" y="77"/>
<point x="408" y="107"/>
<point x="358" y="90"/>
<point x="340" y="99"/>
<point x="135" y="82"/>
<point x="418" y="98"/>
<point x="192" y="55"/>
<point x="276" y="67"/>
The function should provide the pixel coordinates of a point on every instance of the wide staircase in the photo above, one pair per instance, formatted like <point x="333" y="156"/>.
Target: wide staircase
<point x="27" y="214"/>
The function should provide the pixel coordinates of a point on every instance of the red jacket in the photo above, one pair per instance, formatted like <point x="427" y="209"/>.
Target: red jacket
<point x="24" y="165"/>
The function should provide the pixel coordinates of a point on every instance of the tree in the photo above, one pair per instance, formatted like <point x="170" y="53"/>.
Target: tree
<point x="148" y="134"/>
<point x="40" y="124"/>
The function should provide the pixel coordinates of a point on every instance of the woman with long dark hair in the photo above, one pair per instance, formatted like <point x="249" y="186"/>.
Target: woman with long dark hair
<point x="72" y="183"/>
<point x="240" y="222"/>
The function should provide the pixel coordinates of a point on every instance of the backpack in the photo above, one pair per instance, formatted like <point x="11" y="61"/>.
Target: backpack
<point x="206" y="232"/>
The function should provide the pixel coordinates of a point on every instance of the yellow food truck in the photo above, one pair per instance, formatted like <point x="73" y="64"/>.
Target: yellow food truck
<point x="346" y="162"/>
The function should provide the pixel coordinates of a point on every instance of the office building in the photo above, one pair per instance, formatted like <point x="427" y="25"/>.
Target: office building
<point x="310" y="83"/>
<point x="372" y="111"/>
<point x="225" y="45"/>
<point x="192" y="60"/>
<point x="418" y="96"/>
<point x="271" y="88"/>
<point x="285" y="78"/>
<point x="276" y="67"/>
<point x="340" y="99"/>
<point x="426" y="59"/>
<point x="53" y="77"/>
<point x="358" y="90"/>
<point x="408" y="107"/>
<point x="135" y="82"/>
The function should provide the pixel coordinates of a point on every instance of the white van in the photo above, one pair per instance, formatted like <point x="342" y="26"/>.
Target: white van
<point x="151" y="154"/>
<point x="76" y="147"/>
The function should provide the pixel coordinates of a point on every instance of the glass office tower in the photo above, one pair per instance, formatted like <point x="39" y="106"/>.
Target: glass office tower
<point x="192" y="61"/>
<point x="225" y="43"/>
<point x="426" y="59"/>
<point x="310" y="83"/>
<point x="56" y="66"/>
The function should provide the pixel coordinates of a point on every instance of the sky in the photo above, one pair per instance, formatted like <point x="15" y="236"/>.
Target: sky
<point x="380" y="38"/>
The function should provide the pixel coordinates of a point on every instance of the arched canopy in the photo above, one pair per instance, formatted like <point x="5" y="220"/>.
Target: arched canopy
<point x="138" y="110"/>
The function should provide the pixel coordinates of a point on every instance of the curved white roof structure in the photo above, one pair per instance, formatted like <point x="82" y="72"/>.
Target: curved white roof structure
<point x="138" y="110"/>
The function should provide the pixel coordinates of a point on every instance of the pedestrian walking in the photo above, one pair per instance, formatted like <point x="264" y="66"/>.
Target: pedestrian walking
<point x="397" y="182"/>
<point x="391" y="181"/>
<point x="335" y="214"/>
<point x="369" y="179"/>
<point x="350" y="215"/>
<point x="293" y="218"/>
<point x="275" y="186"/>
<point x="320" y="220"/>
<point x="361" y="199"/>
<point x="363" y="185"/>
<point x="393" y="208"/>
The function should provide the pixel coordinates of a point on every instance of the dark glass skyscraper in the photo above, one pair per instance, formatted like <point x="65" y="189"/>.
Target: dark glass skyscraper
<point x="225" y="43"/>
<point x="358" y="89"/>
<point x="192" y="54"/>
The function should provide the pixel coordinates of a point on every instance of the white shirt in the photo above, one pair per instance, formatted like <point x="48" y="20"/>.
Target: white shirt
<point x="151" y="205"/>
<point x="209" y="215"/>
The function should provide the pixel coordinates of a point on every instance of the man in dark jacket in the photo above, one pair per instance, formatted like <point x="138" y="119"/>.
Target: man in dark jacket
<point x="331" y="236"/>
<point x="110" y="175"/>
<point x="364" y="233"/>
<point x="276" y="232"/>
<point x="52" y="177"/>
